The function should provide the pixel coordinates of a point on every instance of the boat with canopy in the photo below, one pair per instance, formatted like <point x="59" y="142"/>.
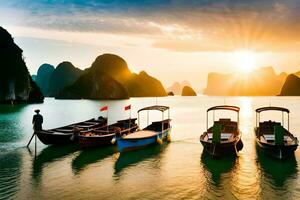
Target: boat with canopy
<point x="273" y="137"/>
<point x="224" y="136"/>
<point x="156" y="132"/>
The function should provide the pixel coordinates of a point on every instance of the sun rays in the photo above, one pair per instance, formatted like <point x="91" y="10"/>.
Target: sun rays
<point x="244" y="61"/>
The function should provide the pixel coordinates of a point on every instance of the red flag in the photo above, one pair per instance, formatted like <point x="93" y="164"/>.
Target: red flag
<point x="104" y="108"/>
<point x="128" y="107"/>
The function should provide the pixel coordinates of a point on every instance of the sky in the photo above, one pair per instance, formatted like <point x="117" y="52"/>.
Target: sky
<point x="171" y="40"/>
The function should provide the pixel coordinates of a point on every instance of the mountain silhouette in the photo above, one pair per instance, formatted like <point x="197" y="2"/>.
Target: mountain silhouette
<point x="43" y="77"/>
<point x="260" y="82"/>
<point x="291" y="86"/>
<point x="177" y="87"/>
<point x="188" y="91"/>
<point x="64" y="75"/>
<point x="110" y="78"/>
<point x="16" y="84"/>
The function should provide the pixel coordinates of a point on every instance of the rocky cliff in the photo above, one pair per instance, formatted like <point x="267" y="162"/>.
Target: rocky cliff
<point x="64" y="75"/>
<point x="16" y="84"/>
<point x="188" y="91"/>
<point x="291" y="86"/>
<point x="43" y="77"/>
<point x="94" y="86"/>
<point x="261" y="82"/>
<point x="110" y="78"/>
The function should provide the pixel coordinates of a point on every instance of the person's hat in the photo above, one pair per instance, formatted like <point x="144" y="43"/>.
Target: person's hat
<point x="37" y="110"/>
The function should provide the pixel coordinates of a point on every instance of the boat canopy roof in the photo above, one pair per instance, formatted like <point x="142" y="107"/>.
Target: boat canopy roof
<point x="259" y="110"/>
<point x="157" y="107"/>
<point x="224" y="107"/>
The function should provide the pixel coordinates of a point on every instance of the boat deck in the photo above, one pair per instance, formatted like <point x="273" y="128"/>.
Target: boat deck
<point x="141" y="134"/>
<point x="270" y="138"/>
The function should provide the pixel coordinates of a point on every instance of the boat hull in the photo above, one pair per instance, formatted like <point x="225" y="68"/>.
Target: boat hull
<point x="277" y="151"/>
<point x="132" y="144"/>
<point x="66" y="134"/>
<point x="94" y="141"/>
<point x="220" y="149"/>
<point x="55" y="139"/>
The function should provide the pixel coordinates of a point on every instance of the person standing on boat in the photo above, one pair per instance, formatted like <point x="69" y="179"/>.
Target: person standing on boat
<point x="37" y="121"/>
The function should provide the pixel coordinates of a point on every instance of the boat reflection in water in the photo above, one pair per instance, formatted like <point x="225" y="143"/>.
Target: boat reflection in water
<point x="90" y="156"/>
<point x="132" y="158"/>
<point x="217" y="167"/>
<point x="220" y="175"/>
<point x="49" y="155"/>
<point x="276" y="171"/>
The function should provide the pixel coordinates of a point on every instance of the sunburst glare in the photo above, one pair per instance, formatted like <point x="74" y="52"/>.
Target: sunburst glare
<point x="244" y="60"/>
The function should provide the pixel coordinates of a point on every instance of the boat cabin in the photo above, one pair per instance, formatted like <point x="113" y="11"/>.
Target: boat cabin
<point x="157" y="126"/>
<point x="223" y="129"/>
<point x="273" y="132"/>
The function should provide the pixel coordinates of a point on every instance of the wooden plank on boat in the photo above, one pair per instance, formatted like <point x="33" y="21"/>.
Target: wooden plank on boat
<point x="141" y="134"/>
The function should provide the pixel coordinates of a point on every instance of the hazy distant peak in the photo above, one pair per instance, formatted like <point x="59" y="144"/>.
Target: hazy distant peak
<point x="177" y="87"/>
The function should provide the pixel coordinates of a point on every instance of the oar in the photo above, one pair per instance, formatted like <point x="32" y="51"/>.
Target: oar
<point x="31" y="139"/>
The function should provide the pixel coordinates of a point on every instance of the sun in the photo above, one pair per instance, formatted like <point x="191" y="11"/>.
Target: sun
<point x="244" y="60"/>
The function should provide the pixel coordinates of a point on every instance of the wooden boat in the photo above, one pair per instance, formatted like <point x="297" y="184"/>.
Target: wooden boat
<point x="154" y="133"/>
<point x="224" y="137"/>
<point x="272" y="137"/>
<point x="68" y="134"/>
<point x="105" y="136"/>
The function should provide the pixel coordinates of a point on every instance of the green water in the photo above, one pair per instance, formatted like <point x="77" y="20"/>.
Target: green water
<point x="178" y="170"/>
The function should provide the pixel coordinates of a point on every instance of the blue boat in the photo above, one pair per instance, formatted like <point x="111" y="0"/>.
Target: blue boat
<point x="156" y="132"/>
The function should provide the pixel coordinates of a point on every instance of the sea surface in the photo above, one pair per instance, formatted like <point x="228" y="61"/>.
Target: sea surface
<point x="176" y="170"/>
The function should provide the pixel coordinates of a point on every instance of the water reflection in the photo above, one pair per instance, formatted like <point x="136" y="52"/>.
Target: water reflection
<point x="278" y="178"/>
<point x="173" y="171"/>
<point x="48" y="155"/>
<point x="7" y="109"/>
<point x="132" y="158"/>
<point x="90" y="156"/>
<point x="216" y="167"/>
<point x="277" y="171"/>
<point x="10" y="126"/>
<point x="220" y="175"/>
<point x="10" y="174"/>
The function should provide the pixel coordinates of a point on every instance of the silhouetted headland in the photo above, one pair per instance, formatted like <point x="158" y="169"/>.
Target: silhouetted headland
<point x="110" y="78"/>
<point x="291" y="86"/>
<point x="16" y="84"/>
<point x="43" y="76"/>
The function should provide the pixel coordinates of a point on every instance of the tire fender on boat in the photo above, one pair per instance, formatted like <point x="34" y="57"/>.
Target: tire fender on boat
<point x="159" y="141"/>
<point x="113" y="141"/>
<point x="239" y="145"/>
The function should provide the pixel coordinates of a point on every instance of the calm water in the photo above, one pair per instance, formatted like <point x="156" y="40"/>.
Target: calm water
<point x="178" y="170"/>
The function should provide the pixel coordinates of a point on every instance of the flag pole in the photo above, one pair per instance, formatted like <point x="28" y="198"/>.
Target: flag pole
<point x="129" y="117"/>
<point x="107" y="119"/>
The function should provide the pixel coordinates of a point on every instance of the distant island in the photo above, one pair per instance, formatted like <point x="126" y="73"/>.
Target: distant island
<point x="108" y="78"/>
<point x="43" y="77"/>
<point x="188" y="91"/>
<point x="261" y="82"/>
<point x="16" y="84"/>
<point x="184" y="89"/>
<point x="64" y="75"/>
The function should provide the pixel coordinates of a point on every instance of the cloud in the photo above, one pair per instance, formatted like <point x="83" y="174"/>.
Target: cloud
<point x="189" y="26"/>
